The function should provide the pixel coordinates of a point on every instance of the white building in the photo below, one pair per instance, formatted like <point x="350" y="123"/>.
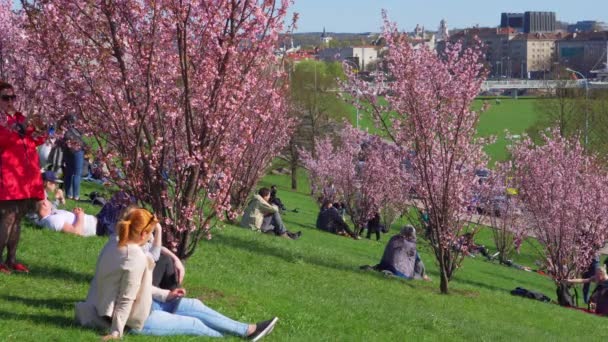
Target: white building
<point x="325" y="38"/>
<point x="362" y="56"/>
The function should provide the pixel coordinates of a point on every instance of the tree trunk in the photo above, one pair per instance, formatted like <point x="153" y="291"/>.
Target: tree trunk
<point x="564" y="297"/>
<point x="294" y="159"/>
<point x="443" y="273"/>
<point x="443" y="285"/>
<point x="294" y="165"/>
<point x="294" y="176"/>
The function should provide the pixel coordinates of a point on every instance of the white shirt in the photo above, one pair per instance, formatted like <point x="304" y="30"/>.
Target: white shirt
<point x="58" y="218"/>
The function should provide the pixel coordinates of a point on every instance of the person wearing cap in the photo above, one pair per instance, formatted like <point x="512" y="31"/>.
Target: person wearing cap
<point x="51" y="190"/>
<point x="74" y="222"/>
<point x="20" y="181"/>
<point x="400" y="257"/>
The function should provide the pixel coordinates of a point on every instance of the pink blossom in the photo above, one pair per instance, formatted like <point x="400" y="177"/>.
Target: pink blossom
<point x="174" y="92"/>
<point x="565" y="192"/>
<point x="428" y="99"/>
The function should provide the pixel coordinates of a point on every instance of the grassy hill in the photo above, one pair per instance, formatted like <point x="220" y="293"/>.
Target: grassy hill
<point x="313" y="285"/>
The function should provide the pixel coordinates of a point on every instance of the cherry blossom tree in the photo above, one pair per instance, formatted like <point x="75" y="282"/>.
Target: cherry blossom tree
<point x="268" y="141"/>
<point x="565" y="193"/>
<point x="19" y="66"/>
<point x="427" y="110"/>
<point x="507" y="213"/>
<point x="173" y="92"/>
<point x="10" y="39"/>
<point x="359" y="169"/>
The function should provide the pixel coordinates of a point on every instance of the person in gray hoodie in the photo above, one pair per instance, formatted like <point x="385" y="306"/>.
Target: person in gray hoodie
<point x="401" y="257"/>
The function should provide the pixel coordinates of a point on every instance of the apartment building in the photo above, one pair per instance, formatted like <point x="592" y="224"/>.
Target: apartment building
<point x="534" y="54"/>
<point x="583" y="51"/>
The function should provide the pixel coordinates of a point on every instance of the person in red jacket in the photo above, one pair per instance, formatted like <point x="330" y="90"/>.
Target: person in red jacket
<point x="20" y="179"/>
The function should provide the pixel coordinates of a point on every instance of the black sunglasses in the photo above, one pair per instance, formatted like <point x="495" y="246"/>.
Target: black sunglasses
<point x="8" y="97"/>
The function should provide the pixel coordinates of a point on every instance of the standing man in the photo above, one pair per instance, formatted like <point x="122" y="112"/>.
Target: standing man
<point x="20" y="180"/>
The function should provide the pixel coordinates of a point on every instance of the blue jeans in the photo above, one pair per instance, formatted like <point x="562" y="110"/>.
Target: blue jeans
<point x="188" y="316"/>
<point x="274" y="223"/>
<point x="73" y="173"/>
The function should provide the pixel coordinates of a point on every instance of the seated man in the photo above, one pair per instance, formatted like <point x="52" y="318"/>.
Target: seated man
<point x="265" y="217"/>
<point x="76" y="222"/>
<point x="400" y="257"/>
<point x="274" y="199"/>
<point x="329" y="220"/>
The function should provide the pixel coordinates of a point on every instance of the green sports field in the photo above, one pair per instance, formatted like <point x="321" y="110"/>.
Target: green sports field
<point x="514" y="115"/>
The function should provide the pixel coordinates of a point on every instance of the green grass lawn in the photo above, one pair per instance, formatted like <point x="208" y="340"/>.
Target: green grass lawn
<point x="510" y="114"/>
<point x="313" y="285"/>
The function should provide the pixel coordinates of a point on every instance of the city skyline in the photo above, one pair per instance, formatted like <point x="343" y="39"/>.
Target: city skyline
<point x="365" y="16"/>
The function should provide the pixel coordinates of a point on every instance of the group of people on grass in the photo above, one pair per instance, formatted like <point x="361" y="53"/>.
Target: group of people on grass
<point x="137" y="282"/>
<point x="136" y="286"/>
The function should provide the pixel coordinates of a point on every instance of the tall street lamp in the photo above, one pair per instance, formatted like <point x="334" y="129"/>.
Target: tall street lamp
<point x="586" y="104"/>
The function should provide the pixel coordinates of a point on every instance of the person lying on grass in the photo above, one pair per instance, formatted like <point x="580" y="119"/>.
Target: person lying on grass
<point x="329" y="220"/>
<point x="262" y="216"/>
<point x="122" y="295"/>
<point x="400" y="257"/>
<point x="74" y="222"/>
<point x="467" y="246"/>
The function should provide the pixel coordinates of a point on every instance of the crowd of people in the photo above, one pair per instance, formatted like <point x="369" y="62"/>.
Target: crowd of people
<point x="137" y="281"/>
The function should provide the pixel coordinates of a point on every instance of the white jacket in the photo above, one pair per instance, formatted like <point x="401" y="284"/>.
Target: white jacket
<point x="121" y="289"/>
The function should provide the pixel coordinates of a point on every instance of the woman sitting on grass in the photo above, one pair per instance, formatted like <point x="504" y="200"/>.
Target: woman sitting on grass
<point x="122" y="294"/>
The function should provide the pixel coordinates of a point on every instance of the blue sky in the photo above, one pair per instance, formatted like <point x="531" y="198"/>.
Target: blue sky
<point x="364" y="15"/>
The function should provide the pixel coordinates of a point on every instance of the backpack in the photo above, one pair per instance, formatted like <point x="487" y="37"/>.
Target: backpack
<point x="109" y="214"/>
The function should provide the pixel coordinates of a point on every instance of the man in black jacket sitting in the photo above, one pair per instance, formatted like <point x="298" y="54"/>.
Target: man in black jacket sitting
<point x="330" y="220"/>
